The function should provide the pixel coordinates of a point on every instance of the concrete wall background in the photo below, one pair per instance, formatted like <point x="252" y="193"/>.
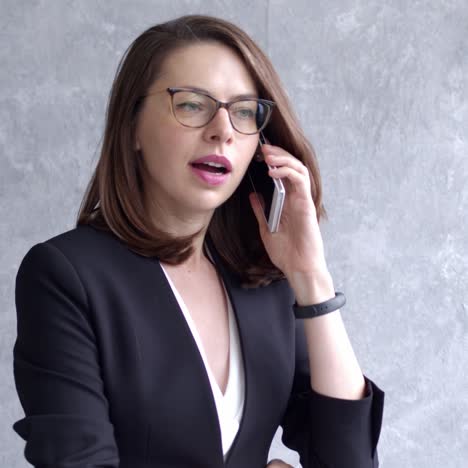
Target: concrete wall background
<point x="382" y="91"/>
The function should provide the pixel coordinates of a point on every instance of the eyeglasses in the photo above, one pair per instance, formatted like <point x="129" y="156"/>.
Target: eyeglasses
<point x="196" y="109"/>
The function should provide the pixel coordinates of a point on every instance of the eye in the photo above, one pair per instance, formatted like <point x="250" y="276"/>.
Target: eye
<point x="189" y="106"/>
<point x="245" y="113"/>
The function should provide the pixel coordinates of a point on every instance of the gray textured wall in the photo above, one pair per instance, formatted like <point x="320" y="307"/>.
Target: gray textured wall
<point x="381" y="89"/>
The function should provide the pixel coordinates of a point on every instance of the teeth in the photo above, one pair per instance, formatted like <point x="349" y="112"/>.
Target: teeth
<point x="213" y="164"/>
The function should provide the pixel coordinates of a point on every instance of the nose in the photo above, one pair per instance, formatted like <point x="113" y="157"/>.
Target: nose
<point x="220" y="128"/>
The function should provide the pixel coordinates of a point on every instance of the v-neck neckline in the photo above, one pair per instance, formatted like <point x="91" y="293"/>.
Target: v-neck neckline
<point x="198" y="340"/>
<point x="236" y="299"/>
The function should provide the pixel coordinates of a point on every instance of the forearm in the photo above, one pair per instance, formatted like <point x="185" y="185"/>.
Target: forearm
<point x="334" y="368"/>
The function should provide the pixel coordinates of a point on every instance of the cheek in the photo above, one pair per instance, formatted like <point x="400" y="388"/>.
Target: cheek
<point x="154" y="129"/>
<point x="249" y="152"/>
<point x="159" y="142"/>
<point x="243" y="164"/>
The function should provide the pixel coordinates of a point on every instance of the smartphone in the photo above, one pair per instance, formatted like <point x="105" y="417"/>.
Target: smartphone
<point x="272" y="190"/>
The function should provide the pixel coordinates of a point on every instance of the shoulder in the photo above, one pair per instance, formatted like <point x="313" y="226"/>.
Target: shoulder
<point x="86" y="243"/>
<point x="88" y="251"/>
<point x="85" y="240"/>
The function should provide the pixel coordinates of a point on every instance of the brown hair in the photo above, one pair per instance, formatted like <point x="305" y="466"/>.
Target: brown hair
<point x="114" y="197"/>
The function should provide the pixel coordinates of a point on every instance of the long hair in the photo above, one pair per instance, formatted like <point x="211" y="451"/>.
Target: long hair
<point x="114" y="197"/>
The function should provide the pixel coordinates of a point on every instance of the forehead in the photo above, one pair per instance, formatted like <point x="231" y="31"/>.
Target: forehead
<point x="208" y="65"/>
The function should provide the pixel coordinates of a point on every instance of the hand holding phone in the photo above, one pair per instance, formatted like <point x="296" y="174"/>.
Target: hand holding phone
<point x="274" y="194"/>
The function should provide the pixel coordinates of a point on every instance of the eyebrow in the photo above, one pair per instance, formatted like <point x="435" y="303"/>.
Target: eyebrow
<point x="238" y="96"/>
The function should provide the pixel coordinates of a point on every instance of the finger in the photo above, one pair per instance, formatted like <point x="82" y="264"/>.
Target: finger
<point x="284" y="172"/>
<point x="286" y="160"/>
<point x="277" y="151"/>
<point x="277" y="156"/>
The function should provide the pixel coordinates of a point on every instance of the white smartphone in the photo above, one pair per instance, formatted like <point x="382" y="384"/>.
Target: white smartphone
<point x="272" y="190"/>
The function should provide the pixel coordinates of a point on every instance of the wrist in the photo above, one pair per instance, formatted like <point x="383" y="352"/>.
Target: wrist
<point x="313" y="287"/>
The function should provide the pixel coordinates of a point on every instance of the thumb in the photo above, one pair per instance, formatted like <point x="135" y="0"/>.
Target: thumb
<point x="257" y="204"/>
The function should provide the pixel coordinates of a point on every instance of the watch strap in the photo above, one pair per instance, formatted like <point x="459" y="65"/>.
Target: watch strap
<point x="315" y="310"/>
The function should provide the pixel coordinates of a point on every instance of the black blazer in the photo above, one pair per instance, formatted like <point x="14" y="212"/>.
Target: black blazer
<point x="109" y="375"/>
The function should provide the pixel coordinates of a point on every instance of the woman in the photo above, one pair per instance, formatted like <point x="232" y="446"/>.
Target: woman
<point x="162" y="330"/>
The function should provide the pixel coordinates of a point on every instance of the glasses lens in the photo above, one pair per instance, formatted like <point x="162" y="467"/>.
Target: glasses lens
<point x="249" y="116"/>
<point x="192" y="109"/>
<point x="196" y="110"/>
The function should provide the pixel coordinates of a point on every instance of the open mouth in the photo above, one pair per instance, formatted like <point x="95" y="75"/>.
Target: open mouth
<point x="214" y="168"/>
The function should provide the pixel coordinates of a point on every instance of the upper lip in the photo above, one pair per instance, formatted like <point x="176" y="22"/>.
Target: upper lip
<point x="214" y="158"/>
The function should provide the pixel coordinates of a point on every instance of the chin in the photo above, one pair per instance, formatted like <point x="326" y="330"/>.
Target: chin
<point x="210" y="203"/>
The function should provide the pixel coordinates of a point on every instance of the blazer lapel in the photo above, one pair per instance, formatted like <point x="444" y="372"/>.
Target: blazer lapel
<point x="266" y="333"/>
<point x="190" y="393"/>
<point x="196" y="375"/>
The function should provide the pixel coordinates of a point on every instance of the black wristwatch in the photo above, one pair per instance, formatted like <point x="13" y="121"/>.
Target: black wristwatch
<point x="315" y="310"/>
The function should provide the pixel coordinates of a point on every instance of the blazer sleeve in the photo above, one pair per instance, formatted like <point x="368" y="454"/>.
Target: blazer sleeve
<point x="56" y="367"/>
<point x="330" y="432"/>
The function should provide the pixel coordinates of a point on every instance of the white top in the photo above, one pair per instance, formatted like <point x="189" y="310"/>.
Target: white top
<point x="231" y="404"/>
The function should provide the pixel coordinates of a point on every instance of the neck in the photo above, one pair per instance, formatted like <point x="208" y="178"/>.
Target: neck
<point x="198" y="260"/>
<point x="181" y="225"/>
